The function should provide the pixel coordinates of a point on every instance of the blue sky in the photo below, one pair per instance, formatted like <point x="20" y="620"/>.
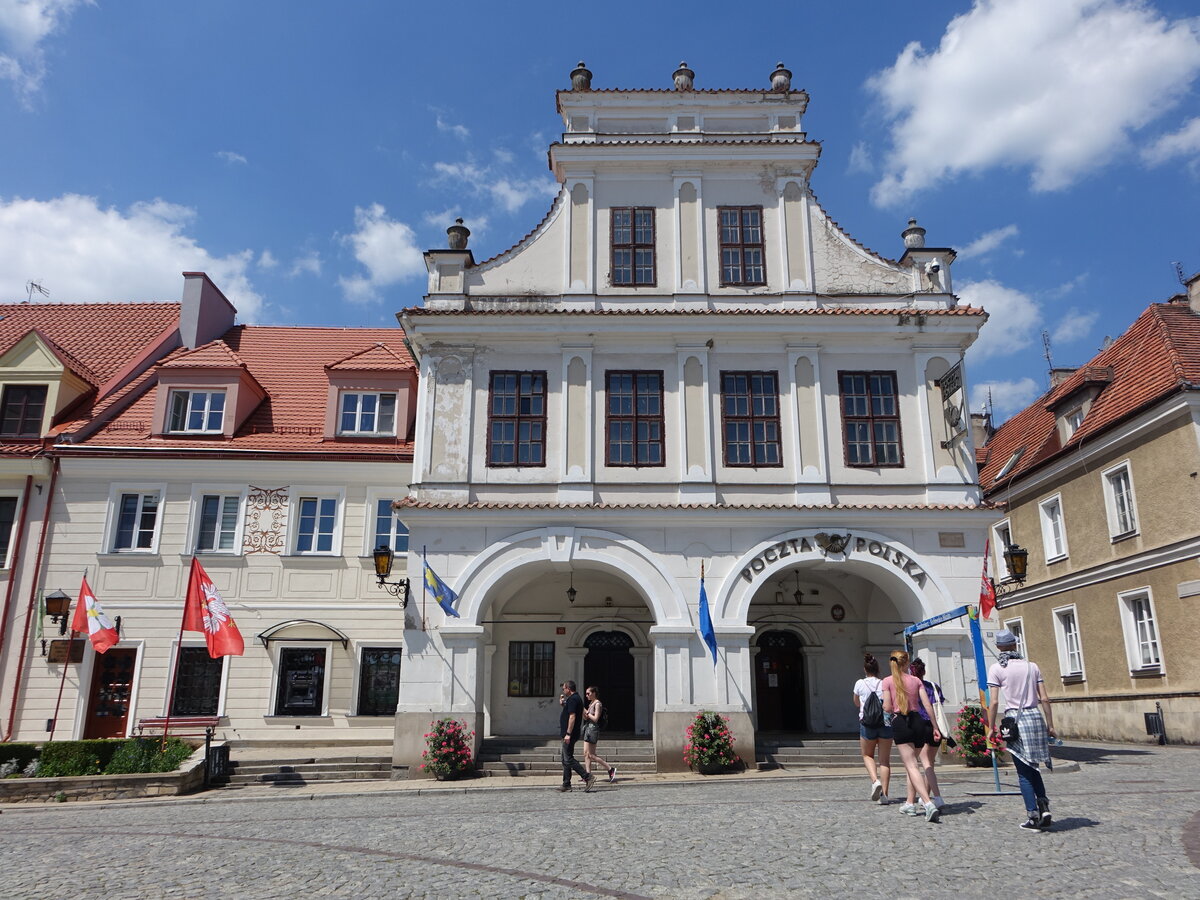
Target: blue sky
<point x="304" y="154"/>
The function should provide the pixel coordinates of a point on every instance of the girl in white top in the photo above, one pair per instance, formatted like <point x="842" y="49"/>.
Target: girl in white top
<point x="872" y="739"/>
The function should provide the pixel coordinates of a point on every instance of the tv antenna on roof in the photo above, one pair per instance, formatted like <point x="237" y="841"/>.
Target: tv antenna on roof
<point x="1179" y="273"/>
<point x="1046" y="349"/>
<point x="30" y="287"/>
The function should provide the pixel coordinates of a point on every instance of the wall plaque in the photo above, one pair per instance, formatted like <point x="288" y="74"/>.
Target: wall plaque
<point x="58" y="651"/>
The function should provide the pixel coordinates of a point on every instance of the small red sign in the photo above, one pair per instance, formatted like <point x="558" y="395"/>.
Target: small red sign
<point x="561" y="629"/>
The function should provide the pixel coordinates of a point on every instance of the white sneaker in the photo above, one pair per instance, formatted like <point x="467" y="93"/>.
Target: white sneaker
<point x="911" y="809"/>
<point x="876" y="790"/>
<point x="884" y="800"/>
<point x="938" y="801"/>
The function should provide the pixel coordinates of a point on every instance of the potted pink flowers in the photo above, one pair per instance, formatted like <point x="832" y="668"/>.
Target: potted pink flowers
<point x="447" y="753"/>
<point x="709" y="744"/>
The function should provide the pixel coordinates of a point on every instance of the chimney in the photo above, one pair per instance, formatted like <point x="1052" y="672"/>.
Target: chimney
<point x="981" y="428"/>
<point x="1059" y="374"/>
<point x="206" y="313"/>
<point x="1193" y="289"/>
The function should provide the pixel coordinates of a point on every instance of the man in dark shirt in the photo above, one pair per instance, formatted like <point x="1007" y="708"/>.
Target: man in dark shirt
<point x="570" y="720"/>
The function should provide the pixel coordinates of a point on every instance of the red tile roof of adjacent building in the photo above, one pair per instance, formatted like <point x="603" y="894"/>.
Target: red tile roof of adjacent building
<point x="1158" y="356"/>
<point x="410" y="503"/>
<point x="101" y="337"/>
<point x="520" y="310"/>
<point x="216" y="355"/>
<point x="289" y="363"/>
<point x="379" y="358"/>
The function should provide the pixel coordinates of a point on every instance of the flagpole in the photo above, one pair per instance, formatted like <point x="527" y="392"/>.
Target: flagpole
<point x="175" y="667"/>
<point x="424" y="585"/>
<point x="66" y="664"/>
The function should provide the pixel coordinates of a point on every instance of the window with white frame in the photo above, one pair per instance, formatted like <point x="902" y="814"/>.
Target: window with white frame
<point x="1054" y="535"/>
<point x="389" y="531"/>
<point x="1073" y="420"/>
<point x="316" y="524"/>
<point x="367" y="413"/>
<point x="197" y="412"/>
<point x="1001" y="539"/>
<point x="218" y="518"/>
<point x="8" y="521"/>
<point x="1017" y="627"/>
<point x="1070" y="647"/>
<point x="1141" y="630"/>
<point x="136" y="518"/>
<point x="1118" y="499"/>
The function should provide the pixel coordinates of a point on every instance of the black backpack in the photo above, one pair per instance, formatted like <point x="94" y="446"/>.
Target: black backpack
<point x="872" y="716"/>
<point x="603" y="723"/>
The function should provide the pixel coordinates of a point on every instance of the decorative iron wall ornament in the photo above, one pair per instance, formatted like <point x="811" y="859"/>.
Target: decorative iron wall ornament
<point x="832" y="543"/>
<point x="266" y="520"/>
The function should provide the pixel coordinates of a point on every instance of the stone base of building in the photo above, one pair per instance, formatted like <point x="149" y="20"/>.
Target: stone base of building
<point x="411" y="728"/>
<point x="670" y="733"/>
<point x="1123" y="720"/>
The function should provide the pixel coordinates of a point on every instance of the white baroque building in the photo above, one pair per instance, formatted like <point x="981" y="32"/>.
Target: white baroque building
<point x="686" y="365"/>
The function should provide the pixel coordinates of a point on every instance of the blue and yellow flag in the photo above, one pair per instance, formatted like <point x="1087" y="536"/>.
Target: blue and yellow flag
<point x="441" y="593"/>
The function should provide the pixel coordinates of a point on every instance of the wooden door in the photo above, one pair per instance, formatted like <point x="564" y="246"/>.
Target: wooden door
<point x="110" y="694"/>
<point x="780" y="700"/>
<point x="609" y="666"/>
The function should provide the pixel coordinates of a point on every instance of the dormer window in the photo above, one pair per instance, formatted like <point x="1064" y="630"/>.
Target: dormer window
<point x="21" y="411"/>
<point x="1073" y="420"/>
<point x="367" y="413"/>
<point x="1011" y="464"/>
<point x="197" y="412"/>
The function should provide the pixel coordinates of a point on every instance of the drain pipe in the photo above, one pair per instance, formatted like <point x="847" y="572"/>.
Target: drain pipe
<point x="29" y="613"/>
<point x="22" y="522"/>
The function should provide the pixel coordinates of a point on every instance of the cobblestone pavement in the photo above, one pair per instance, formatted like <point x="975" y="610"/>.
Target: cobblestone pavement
<point x="1125" y="824"/>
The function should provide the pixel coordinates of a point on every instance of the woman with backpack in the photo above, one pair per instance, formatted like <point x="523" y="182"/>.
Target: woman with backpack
<point x="927" y="755"/>
<point x="873" y="734"/>
<point x="594" y="718"/>
<point x="903" y="696"/>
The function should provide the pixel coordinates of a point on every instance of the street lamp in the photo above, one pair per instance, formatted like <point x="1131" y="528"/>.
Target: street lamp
<point x="1017" y="560"/>
<point x="571" y="592"/>
<point x="384" y="557"/>
<point x="58" y="605"/>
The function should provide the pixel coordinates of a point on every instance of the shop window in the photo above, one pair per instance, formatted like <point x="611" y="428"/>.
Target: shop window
<point x="379" y="681"/>
<point x="531" y="669"/>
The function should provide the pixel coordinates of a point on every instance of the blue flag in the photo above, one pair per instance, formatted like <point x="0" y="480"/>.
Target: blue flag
<point x="442" y="594"/>
<point x="706" y="625"/>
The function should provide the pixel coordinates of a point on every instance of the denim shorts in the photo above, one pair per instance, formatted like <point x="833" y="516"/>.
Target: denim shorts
<point x="868" y="733"/>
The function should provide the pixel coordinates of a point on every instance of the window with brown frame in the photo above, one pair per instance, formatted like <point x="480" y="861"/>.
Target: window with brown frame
<point x="632" y="240"/>
<point x="531" y="668"/>
<point x="634" y="421"/>
<point x="21" y="410"/>
<point x="750" y="417"/>
<point x="870" y="419"/>
<point x="517" y="419"/>
<point x="743" y="261"/>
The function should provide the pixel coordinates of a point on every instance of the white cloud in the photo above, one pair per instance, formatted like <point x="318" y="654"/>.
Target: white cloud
<point x="860" y="162"/>
<point x="234" y="159"/>
<point x="24" y="26"/>
<point x="1075" y="325"/>
<point x="1184" y="142"/>
<point x="988" y="241"/>
<point x="459" y="131"/>
<point x="511" y="193"/>
<point x="82" y="252"/>
<point x="1067" y="287"/>
<point x="1057" y="87"/>
<point x="1013" y="318"/>
<point x="267" y="260"/>
<point x="1007" y="397"/>
<point x="306" y="264"/>
<point x="386" y="247"/>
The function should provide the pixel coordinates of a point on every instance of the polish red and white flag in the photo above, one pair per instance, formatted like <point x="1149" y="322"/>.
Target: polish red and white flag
<point x="206" y="612"/>
<point x="91" y="618"/>
<point x="987" y="590"/>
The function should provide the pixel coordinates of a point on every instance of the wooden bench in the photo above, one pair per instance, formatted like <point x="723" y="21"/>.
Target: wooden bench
<point x="180" y="726"/>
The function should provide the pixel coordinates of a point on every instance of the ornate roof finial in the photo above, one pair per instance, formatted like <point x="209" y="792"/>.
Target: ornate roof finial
<point x="581" y="78"/>
<point x="781" y="79"/>
<point x="914" y="235"/>
<point x="458" y="234"/>
<point x="683" y="77"/>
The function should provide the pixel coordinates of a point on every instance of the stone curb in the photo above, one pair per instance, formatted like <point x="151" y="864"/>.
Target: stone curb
<point x="471" y="787"/>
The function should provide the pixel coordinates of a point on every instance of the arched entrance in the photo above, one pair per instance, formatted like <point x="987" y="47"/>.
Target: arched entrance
<point x="780" y="695"/>
<point x="609" y="666"/>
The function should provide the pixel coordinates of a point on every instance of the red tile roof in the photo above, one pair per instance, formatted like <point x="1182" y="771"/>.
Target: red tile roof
<point x="520" y="310"/>
<point x="1158" y="356"/>
<point x="833" y="507"/>
<point x="289" y="363"/>
<point x="216" y="355"/>
<point x="101" y="337"/>
<point x="379" y="358"/>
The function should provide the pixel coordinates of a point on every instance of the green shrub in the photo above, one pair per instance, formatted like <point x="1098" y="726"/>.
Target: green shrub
<point x="22" y="754"/>
<point x="66" y="758"/>
<point x="146" y="755"/>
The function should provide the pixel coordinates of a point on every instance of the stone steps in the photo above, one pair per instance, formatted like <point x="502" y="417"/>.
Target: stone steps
<point x="838" y="753"/>
<point x="516" y="756"/>
<point x="301" y="771"/>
